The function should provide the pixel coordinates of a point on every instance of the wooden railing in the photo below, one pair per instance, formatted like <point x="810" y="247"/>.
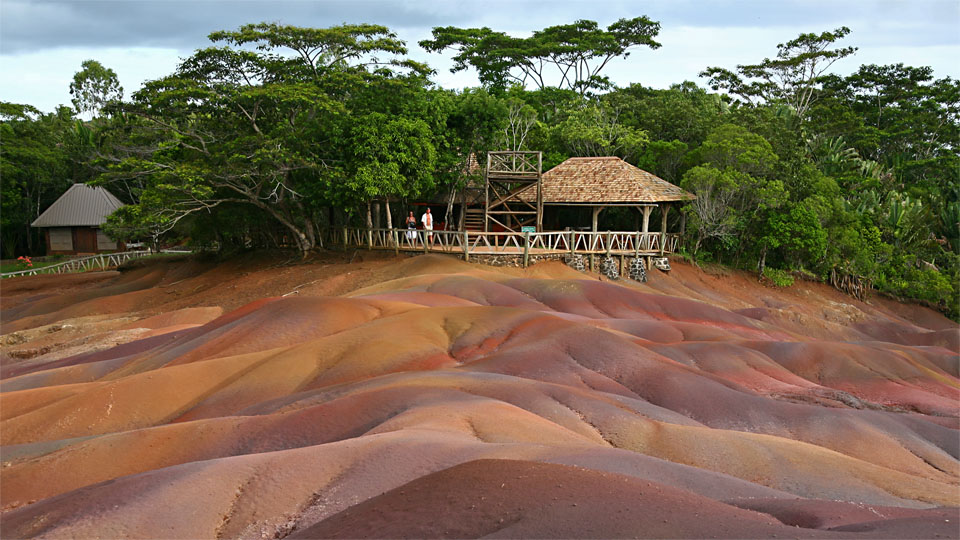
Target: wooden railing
<point x="101" y="261"/>
<point x="505" y="243"/>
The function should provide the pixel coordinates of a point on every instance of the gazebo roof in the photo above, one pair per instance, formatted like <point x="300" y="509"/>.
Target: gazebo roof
<point x="79" y="206"/>
<point x="606" y="180"/>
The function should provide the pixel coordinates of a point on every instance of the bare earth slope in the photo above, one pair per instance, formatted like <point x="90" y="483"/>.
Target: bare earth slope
<point x="427" y="397"/>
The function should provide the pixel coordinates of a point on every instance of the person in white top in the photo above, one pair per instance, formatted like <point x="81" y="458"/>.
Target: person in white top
<point x="427" y="220"/>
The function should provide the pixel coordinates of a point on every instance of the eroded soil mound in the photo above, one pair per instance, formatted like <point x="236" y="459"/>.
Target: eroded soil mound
<point x="427" y="397"/>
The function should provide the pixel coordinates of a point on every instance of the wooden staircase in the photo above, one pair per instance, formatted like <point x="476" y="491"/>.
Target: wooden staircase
<point x="473" y="220"/>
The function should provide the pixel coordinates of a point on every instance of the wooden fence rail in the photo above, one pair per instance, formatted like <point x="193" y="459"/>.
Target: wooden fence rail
<point x="505" y="243"/>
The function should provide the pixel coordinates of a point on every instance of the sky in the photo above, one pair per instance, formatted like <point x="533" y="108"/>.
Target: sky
<point x="43" y="42"/>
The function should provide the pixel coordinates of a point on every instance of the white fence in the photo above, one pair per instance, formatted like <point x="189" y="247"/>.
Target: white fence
<point x="83" y="264"/>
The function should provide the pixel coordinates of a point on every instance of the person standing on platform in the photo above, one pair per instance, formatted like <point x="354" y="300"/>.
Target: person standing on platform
<point x="411" y="229"/>
<point x="427" y="220"/>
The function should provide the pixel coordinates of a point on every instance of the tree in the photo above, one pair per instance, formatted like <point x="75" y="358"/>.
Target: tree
<point x="34" y="171"/>
<point x="575" y="53"/>
<point x="93" y="87"/>
<point x="793" y="77"/>
<point x="266" y="125"/>
<point x="596" y="131"/>
<point x="735" y="189"/>
<point x="392" y="157"/>
<point x="683" y="112"/>
<point x="521" y="119"/>
<point x="796" y="236"/>
<point x="906" y="120"/>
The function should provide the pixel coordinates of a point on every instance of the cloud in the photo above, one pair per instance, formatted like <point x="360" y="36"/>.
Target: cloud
<point x="43" y="42"/>
<point x="43" y="79"/>
<point x="28" y="26"/>
<point x="33" y="25"/>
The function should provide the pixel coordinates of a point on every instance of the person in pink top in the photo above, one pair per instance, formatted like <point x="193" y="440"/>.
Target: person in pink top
<point x="427" y="220"/>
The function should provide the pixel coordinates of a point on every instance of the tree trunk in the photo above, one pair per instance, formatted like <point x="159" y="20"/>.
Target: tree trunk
<point x="376" y="215"/>
<point x="389" y="216"/>
<point x="448" y="216"/>
<point x="369" y="216"/>
<point x="306" y="240"/>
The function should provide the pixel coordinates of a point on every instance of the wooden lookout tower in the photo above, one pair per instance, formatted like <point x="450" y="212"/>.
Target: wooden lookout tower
<point x="514" y="191"/>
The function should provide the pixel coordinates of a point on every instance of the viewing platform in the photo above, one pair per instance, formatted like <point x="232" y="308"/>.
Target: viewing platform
<point x="526" y="245"/>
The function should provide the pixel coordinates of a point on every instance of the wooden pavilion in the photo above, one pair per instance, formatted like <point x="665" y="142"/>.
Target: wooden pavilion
<point x="504" y="214"/>
<point x="604" y="182"/>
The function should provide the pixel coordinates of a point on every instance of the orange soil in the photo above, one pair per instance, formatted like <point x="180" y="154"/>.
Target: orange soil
<point x="427" y="397"/>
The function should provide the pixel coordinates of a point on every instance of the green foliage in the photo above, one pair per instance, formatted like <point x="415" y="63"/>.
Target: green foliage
<point x="35" y="164"/>
<point x="684" y="112"/>
<point x="579" y="52"/>
<point x="596" y="131"/>
<point x="393" y="157"/>
<point x="280" y="117"/>
<point x="905" y="279"/>
<point x="732" y="147"/>
<point x="796" y="237"/>
<point x="94" y="86"/>
<point x="779" y="278"/>
<point x="793" y="77"/>
<point x="275" y="131"/>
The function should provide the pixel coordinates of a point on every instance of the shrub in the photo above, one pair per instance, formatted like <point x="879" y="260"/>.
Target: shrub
<point x="780" y="278"/>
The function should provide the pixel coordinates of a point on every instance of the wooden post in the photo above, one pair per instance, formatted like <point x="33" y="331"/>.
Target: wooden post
<point x="607" y="242"/>
<point x="572" y="239"/>
<point x="539" y="191"/>
<point x="526" y="249"/>
<point x="396" y="242"/>
<point x="424" y="231"/>
<point x="590" y="247"/>
<point x="486" y="194"/>
<point x="664" y="210"/>
<point x="646" y="224"/>
<point x="466" y="246"/>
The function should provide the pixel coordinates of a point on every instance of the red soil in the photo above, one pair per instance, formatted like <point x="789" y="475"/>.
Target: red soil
<point x="427" y="397"/>
<point x="520" y="499"/>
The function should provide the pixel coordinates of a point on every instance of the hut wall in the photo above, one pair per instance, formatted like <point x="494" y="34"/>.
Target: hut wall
<point x="60" y="239"/>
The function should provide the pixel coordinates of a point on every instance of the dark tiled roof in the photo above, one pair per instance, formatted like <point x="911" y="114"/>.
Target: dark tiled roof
<point x="581" y="180"/>
<point x="80" y="206"/>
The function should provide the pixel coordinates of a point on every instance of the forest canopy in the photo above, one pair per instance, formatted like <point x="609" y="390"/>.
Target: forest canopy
<point x="279" y="131"/>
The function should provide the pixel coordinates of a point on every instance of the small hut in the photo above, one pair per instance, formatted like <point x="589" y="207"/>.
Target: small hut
<point x="71" y="225"/>
<point x="603" y="182"/>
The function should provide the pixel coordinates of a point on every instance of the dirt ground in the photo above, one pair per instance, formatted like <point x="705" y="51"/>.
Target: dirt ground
<point x="361" y="394"/>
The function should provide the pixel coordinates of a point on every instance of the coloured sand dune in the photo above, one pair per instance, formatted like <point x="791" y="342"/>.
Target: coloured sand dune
<point x="427" y="397"/>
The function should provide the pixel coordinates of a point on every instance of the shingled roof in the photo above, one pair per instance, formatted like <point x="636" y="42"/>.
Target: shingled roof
<point x="79" y="206"/>
<point x="606" y="180"/>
